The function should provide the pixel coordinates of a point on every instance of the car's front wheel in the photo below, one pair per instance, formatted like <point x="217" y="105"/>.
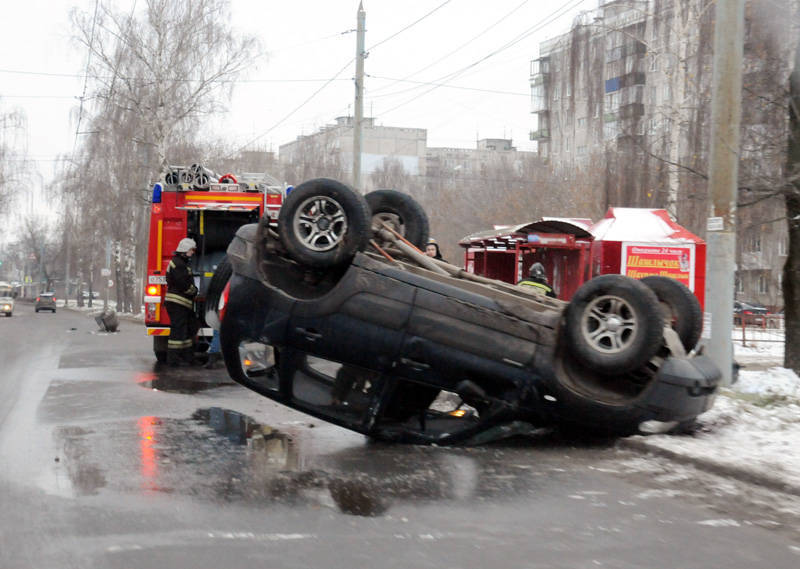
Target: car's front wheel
<point x="613" y="324"/>
<point x="323" y="223"/>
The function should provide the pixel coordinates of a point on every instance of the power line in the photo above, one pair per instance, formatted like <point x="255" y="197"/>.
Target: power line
<point x="174" y="80"/>
<point x="463" y="45"/>
<point x="297" y="108"/>
<point x="499" y="92"/>
<point x="523" y="35"/>
<point x="412" y="24"/>
<point x="86" y="78"/>
<point x="335" y="77"/>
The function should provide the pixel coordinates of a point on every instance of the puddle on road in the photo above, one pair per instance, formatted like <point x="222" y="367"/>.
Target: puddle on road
<point x="220" y="455"/>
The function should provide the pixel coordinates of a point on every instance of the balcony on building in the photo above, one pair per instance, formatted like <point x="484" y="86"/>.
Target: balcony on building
<point x="543" y="131"/>
<point x="540" y="71"/>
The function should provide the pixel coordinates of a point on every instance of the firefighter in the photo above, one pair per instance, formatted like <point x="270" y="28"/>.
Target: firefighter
<point x="538" y="279"/>
<point x="432" y="250"/>
<point x="179" y="303"/>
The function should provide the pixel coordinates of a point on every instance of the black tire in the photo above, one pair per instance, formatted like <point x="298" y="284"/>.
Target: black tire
<point x="329" y="237"/>
<point x="679" y="307"/>
<point x="37" y="310"/>
<point x="613" y="324"/>
<point x="402" y="212"/>
<point x="222" y="275"/>
<point x="160" y="348"/>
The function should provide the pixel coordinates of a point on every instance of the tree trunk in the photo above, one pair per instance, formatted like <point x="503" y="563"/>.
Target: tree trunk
<point x="791" y="270"/>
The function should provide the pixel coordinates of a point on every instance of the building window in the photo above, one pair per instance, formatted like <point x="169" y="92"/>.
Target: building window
<point x="653" y="63"/>
<point x="667" y="92"/>
<point x="652" y="126"/>
<point x="763" y="284"/>
<point x="739" y="284"/>
<point x="612" y="102"/>
<point x="566" y="144"/>
<point x="581" y="150"/>
<point x="610" y="130"/>
<point x="652" y="96"/>
<point x="555" y="93"/>
<point x="754" y="243"/>
<point x="780" y="281"/>
<point x="782" y="246"/>
<point x="581" y="122"/>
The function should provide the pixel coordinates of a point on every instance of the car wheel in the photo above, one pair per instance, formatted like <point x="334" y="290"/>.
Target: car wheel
<point x="613" y="324"/>
<point x="323" y="223"/>
<point x="679" y="308"/>
<point x="215" y="288"/>
<point x="401" y="212"/>
<point x="36" y="310"/>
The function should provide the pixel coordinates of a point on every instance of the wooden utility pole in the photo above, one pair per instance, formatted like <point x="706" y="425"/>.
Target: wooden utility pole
<point x="359" y="102"/>
<point x="726" y="113"/>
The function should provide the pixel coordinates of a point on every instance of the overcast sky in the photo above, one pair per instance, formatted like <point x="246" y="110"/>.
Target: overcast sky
<point x="307" y="43"/>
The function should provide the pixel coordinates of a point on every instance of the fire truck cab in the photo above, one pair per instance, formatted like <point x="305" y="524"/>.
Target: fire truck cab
<point x="193" y="202"/>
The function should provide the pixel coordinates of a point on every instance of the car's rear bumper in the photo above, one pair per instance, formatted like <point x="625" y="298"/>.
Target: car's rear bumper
<point x="682" y="389"/>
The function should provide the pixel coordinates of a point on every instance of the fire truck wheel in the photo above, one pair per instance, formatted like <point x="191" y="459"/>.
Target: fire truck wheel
<point x="401" y="212"/>
<point x="323" y="223"/>
<point x="222" y="275"/>
<point x="613" y="324"/>
<point x="679" y="308"/>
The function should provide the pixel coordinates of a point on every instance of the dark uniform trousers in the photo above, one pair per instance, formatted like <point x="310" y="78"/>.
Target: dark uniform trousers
<point x="181" y="332"/>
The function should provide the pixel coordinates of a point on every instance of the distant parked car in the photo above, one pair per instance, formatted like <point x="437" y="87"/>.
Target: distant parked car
<point x="749" y="312"/>
<point x="45" y="301"/>
<point x="7" y="305"/>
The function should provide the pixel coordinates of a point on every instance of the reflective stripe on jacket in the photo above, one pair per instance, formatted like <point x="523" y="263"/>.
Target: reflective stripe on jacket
<point x="180" y="281"/>
<point x="546" y="289"/>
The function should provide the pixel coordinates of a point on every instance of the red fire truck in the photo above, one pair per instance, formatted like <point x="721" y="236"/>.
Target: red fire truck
<point x="196" y="203"/>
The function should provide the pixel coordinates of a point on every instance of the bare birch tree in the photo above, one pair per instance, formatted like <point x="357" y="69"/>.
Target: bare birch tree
<point x="155" y="74"/>
<point x="12" y="125"/>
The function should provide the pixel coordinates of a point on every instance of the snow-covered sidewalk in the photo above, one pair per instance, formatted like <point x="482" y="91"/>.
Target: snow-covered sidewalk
<point x="753" y="429"/>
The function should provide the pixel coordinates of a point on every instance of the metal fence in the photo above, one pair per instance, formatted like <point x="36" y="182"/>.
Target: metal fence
<point x="757" y="328"/>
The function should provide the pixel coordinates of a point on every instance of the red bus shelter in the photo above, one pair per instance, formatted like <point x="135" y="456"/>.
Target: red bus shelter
<point x="629" y="241"/>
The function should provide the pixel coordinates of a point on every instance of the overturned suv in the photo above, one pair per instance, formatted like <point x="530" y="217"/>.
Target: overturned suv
<point x="336" y="313"/>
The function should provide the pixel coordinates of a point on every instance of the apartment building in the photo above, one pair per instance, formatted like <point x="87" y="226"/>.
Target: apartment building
<point x="625" y="96"/>
<point x="404" y="145"/>
<point x="429" y="166"/>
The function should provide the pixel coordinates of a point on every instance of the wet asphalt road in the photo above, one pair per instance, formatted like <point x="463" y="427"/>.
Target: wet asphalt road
<point x="110" y="462"/>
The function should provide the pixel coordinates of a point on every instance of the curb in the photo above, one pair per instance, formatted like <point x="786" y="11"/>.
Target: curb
<point x="741" y="474"/>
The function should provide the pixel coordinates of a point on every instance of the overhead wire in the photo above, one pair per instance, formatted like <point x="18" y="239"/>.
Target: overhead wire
<point x="463" y="45"/>
<point x="86" y="77"/>
<point x="328" y="82"/>
<point x="441" y="81"/>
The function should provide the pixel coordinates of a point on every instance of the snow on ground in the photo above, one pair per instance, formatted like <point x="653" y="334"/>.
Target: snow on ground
<point x="754" y="424"/>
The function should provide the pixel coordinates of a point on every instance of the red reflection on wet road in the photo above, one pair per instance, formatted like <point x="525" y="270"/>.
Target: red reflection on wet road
<point x="147" y="451"/>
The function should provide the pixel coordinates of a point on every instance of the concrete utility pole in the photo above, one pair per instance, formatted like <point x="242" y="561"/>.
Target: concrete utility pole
<point x="359" y="102"/>
<point x="726" y="112"/>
